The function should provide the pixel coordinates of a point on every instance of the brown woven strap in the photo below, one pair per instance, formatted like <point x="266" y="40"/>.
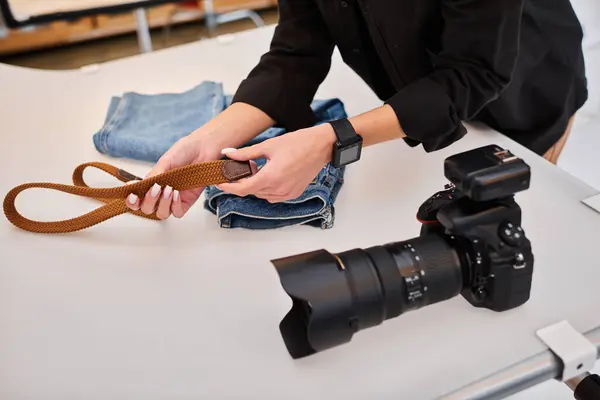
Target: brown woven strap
<point x="184" y="178"/>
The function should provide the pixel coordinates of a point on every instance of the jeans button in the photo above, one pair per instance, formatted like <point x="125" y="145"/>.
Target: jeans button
<point x="344" y="4"/>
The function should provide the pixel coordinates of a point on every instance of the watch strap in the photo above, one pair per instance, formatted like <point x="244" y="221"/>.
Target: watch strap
<point x="344" y="131"/>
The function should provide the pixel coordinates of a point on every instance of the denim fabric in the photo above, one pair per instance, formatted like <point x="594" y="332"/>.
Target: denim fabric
<point x="143" y="127"/>
<point x="314" y="207"/>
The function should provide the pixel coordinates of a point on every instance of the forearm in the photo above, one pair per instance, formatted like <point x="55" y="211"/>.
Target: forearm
<point x="236" y="125"/>
<point x="284" y="82"/>
<point x="375" y="126"/>
<point x="378" y="125"/>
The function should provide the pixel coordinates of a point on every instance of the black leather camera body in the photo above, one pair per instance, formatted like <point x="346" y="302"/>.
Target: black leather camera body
<point x="471" y="243"/>
<point x="479" y="215"/>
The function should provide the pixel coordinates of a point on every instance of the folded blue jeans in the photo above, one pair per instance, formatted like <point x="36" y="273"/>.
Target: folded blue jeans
<point x="144" y="126"/>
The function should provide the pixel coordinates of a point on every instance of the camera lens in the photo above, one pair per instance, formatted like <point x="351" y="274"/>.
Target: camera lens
<point x="337" y="295"/>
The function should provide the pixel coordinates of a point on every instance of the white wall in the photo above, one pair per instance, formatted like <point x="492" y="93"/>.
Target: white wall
<point x="581" y="154"/>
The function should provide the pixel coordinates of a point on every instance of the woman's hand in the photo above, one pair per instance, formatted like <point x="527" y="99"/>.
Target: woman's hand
<point x="165" y="201"/>
<point x="234" y="126"/>
<point x="293" y="162"/>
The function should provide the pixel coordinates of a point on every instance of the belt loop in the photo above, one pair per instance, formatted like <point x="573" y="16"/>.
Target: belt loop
<point x="225" y="222"/>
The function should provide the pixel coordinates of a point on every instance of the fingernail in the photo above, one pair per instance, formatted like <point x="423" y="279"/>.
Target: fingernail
<point x="155" y="190"/>
<point x="228" y="150"/>
<point x="176" y="195"/>
<point x="132" y="198"/>
<point x="167" y="192"/>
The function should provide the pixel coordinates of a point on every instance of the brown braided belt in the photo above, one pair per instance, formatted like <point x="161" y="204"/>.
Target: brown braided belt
<point x="184" y="178"/>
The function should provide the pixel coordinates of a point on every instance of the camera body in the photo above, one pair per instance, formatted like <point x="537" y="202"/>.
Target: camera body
<point x="480" y="216"/>
<point x="471" y="243"/>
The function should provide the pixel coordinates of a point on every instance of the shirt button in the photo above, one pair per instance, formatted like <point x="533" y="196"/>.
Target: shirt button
<point x="344" y="4"/>
<point x="356" y="50"/>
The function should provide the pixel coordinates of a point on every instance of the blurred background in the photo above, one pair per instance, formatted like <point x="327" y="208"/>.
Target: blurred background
<point x="78" y="41"/>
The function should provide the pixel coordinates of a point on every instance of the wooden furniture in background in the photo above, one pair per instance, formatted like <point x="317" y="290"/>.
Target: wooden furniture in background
<point x="218" y="12"/>
<point x="89" y="28"/>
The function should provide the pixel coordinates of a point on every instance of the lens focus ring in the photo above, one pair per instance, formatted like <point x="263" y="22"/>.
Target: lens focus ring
<point x="440" y="268"/>
<point x="391" y="280"/>
<point x="430" y="269"/>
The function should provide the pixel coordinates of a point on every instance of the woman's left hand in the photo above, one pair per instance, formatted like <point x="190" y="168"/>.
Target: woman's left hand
<point x="293" y="162"/>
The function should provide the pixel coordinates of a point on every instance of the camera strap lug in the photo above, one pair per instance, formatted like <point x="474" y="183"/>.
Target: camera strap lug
<point x="577" y="353"/>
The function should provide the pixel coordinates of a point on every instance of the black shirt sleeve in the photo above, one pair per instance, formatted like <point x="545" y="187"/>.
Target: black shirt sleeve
<point x="287" y="77"/>
<point x="479" y="50"/>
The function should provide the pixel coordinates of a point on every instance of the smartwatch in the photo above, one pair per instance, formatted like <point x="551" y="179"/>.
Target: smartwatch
<point x="347" y="148"/>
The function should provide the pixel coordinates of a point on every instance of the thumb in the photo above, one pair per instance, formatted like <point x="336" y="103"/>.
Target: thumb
<point x="162" y="165"/>
<point x="246" y="153"/>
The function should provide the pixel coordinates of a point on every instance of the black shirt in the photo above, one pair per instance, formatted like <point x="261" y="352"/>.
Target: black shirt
<point x="515" y="65"/>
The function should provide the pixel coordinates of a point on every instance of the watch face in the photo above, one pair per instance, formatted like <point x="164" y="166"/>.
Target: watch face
<point x="349" y="154"/>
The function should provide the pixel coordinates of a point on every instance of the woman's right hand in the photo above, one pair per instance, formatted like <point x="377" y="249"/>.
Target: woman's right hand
<point x="233" y="127"/>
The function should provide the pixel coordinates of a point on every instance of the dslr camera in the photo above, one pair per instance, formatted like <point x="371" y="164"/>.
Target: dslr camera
<point x="471" y="243"/>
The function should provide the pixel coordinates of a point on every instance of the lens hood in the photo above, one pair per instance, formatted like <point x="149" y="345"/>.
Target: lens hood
<point x="321" y="315"/>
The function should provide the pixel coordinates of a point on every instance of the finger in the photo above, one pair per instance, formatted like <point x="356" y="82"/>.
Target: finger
<point x="253" y="167"/>
<point x="162" y="165"/>
<point x="150" y="200"/>
<point x="164" y="205"/>
<point x="243" y="187"/>
<point x="185" y="201"/>
<point x="273" y="197"/>
<point x="133" y="202"/>
<point x="259" y="182"/>
<point x="269" y="192"/>
<point x="247" y="153"/>
<point x="177" y="206"/>
<point x="279" y="194"/>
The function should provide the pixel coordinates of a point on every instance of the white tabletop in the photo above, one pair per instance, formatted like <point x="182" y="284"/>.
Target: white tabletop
<point x="138" y="309"/>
